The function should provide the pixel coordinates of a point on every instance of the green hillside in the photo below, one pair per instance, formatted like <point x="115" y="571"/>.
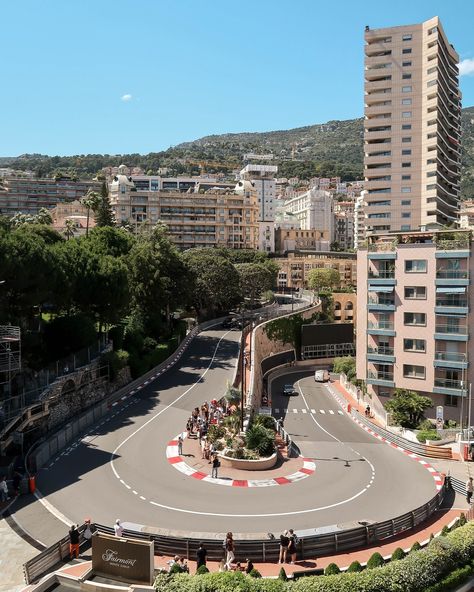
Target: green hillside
<point x="328" y="149"/>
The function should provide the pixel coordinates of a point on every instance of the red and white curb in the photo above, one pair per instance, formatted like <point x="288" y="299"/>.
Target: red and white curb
<point x="178" y="463"/>
<point x="438" y="478"/>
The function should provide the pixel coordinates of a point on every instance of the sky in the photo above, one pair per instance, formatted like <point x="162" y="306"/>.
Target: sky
<point x="126" y="76"/>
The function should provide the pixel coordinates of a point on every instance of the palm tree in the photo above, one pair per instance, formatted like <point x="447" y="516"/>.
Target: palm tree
<point x="69" y="228"/>
<point x="90" y="201"/>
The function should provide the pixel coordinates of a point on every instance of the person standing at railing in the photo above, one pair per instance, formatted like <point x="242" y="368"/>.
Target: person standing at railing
<point x="73" y="542"/>
<point x="469" y="490"/>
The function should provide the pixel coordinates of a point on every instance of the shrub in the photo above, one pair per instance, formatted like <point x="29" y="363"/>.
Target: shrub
<point x="462" y="519"/>
<point x="215" y="432"/>
<point x="444" y="530"/>
<point x="415" y="547"/>
<point x="68" y="334"/>
<point x="116" y="360"/>
<point x="398" y="554"/>
<point x="426" y="426"/>
<point x="260" y="439"/>
<point x="116" y="335"/>
<point x="254" y="573"/>
<point x="453" y="580"/>
<point x="266" y="421"/>
<point x="427" y="435"/>
<point x="282" y="575"/>
<point x="175" y="569"/>
<point x="354" y="567"/>
<point x="149" y="344"/>
<point x="332" y="569"/>
<point x="375" y="560"/>
<point x="202" y="569"/>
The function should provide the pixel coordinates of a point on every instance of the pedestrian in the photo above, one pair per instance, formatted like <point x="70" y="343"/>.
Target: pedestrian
<point x="201" y="555"/>
<point x="73" y="542"/>
<point x="87" y="534"/>
<point x="222" y="566"/>
<point x="180" y="445"/>
<point x="469" y="490"/>
<point x="367" y="411"/>
<point x="292" y="545"/>
<point x="216" y="463"/>
<point x="229" y="548"/>
<point x="4" y="490"/>
<point x="183" y="564"/>
<point x="16" y="482"/>
<point x="118" y="528"/>
<point x="284" y="542"/>
<point x="249" y="566"/>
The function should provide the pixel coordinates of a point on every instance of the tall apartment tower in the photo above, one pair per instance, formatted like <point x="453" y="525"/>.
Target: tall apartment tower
<point x="412" y="128"/>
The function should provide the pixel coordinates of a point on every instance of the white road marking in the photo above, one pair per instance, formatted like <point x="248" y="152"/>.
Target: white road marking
<point x="340" y="412"/>
<point x="295" y="410"/>
<point x="322" y="411"/>
<point x="331" y="411"/>
<point x="313" y="410"/>
<point x="303" y="411"/>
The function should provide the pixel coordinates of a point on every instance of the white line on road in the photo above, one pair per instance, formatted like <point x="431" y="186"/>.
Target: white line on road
<point x="322" y="411"/>
<point x="295" y="410"/>
<point x="331" y="411"/>
<point x="313" y="410"/>
<point x="303" y="411"/>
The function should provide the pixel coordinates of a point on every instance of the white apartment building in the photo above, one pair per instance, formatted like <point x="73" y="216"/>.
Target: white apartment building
<point x="314" y="210"/>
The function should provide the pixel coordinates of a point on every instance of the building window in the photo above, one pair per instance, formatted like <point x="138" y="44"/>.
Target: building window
<point x="406" y="152"/>
<point x="407" y="37"/>
<point x="406" y="177"/>
<point x="415" y="266"/>
<point x="406" y="215"/>
<point x="406" y="64"/>
<point x="414" y="345"/>
<point x="406" y="126"/>
<point x="417" y="319"/>
<point x="432" y="83"/>
<point x="406" y="165"/>
<point x="405" y="227"/>
<point x="406" y="101"/>
<point x="406" y="50"/>
<point x="406" y="76"/>
<point x="415" y="292"/>
<point x="406" y="114"/>
<point x="406" y="202"/>
<point x="406" y="190"/>
<point x="451" y="401"/>
<point x="406" y="139"/>
<point x="406" y="89"/>
<point x="411" y="371"/>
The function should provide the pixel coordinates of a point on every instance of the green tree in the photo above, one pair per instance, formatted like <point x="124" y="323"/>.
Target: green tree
<point x="323" y="278"/>
<point x="104" y="214"/>
<point x="345" y="365"/>
<point x="90" y="201"/>
<point x="255" y="278"/>
<point x="216" y="281"/>
<point x="69" y="228"/>
<point x="408" y="407"/>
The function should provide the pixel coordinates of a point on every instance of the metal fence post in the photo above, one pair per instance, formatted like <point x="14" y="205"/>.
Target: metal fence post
<point x="264" y="554"/>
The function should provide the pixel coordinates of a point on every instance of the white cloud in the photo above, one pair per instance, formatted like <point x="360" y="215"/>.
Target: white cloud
<point x="126" y="98"/>
<point x="466" y="67"/>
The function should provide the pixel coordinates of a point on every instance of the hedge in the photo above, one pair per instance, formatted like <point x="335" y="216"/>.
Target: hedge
<point x="417" y="572"/>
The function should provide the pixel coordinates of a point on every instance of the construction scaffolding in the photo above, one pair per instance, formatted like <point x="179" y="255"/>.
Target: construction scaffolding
<point x="10" y="354"/>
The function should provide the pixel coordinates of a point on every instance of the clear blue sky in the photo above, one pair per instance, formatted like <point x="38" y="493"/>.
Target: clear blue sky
<point x="121" y="76"/>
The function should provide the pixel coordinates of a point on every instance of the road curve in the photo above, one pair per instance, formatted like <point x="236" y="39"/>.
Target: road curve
<point x="120" y="470"/>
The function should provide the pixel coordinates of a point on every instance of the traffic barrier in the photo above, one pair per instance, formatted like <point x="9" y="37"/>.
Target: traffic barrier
<point x="32" y="484"/>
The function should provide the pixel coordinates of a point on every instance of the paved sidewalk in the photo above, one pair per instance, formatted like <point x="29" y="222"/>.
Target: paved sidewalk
<point x="14" y="552"/>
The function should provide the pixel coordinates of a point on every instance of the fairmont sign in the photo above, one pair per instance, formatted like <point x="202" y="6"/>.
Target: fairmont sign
<point x="126" y="560"/>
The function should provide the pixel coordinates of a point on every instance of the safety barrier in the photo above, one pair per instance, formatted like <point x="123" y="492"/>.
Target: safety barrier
<point x="419" y="449"/>
<point x="259" y="549"/>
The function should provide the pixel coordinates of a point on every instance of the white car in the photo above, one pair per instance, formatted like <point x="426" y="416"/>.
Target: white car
<point x="321" y="376"/>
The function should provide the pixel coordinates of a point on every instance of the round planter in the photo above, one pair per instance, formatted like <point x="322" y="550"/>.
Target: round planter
<point x="249" y="465"/>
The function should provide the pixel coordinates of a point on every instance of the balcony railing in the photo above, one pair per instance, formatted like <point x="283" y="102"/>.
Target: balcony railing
<point x="383" y="246"/>
<point x="444" y="356"/>
<point x="460" y="302"/>
<point x="383" y="301"/>
<point x="383" y="273"/>
<point x="381" y="325"/>
<point x="383" y="351"/>
<point x="461" y="243"/>
<point x="452" y="274"/>
<point x="451" y="329"/>
<point x="380" y="375"/>
<point x="449" y="383"/>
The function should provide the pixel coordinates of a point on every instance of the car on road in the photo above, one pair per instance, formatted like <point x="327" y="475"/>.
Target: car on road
<point x="289" y="390"/>
<point x="321" y="376"/>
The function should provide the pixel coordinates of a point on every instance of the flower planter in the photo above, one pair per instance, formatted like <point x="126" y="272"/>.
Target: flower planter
<point x="249" y="465"/>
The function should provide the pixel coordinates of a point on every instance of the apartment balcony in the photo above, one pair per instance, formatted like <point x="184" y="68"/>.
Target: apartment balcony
<point x="382" y="250"/>
<point x="448" y="332"/>
<point x="448" y="386"/>
<point x="452" y="277"/>
<point x="381" y="328"/>
<point x="444" y="359"/>
<point x="380" y="379"/>
<point x="383" y="277"/>
<point x="380" y="355"/>
<point x="381" y="304"/>
<point x="460" y="245"/>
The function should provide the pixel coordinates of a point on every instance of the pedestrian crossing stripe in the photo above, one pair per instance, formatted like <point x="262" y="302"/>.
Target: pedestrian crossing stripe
<point x="303" y="410"/>
<point x="331" y="411"/>
<point x="313" y="410"/>
<point x="306" y="411"/>
<point x="295" y="410"/>
<point x="322" y="411"/>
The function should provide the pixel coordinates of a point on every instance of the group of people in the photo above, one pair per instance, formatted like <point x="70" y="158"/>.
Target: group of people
<point x="229" y="563"/>
<point x="288" y="544"/>
<point x="4" y="490"/>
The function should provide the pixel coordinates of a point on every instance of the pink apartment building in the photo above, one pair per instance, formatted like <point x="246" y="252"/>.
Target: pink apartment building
<point x="413" y="313"/>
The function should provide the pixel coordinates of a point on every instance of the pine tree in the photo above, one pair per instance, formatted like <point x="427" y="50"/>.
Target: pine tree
<point x="104" y="214"/>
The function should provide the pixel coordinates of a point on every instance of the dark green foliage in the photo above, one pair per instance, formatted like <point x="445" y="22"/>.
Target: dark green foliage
<point x="355" y="566"/>
<point x="115" y="360"/>
<point x="202" y="569"/>
<point x="427" y="435"/>
<point x="444" y="530"/>
<point x="175" y="569"/>
<point x="260" y="439"/>
<point x="266" y="421"/>
<point x="65" y="335"/>
<point x="116" y="336"/>
<point x="415" y="547"/>
<point x="288" y="330"/>
<point x="282" y="574"/>
<point x="462" y="519"/>
<point x="453" y="580"/>
<point x="332" y="569"/>
<point x="398" y="554"/>
<point x="215" y="432"/>
<point x="254" y="573"/>
<point x="375" y="560"/>
<point x="407" y="407"/>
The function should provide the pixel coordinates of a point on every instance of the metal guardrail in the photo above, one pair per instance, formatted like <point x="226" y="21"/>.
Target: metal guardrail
<point x="420" y="449"/>
<point x="259" y="550"/>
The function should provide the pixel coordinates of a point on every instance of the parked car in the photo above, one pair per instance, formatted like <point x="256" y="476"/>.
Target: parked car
<point x="289" y="390"/>
<point x="321" y="376"/>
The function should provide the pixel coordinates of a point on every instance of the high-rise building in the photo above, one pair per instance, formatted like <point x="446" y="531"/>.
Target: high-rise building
<point x="412" y="128"/>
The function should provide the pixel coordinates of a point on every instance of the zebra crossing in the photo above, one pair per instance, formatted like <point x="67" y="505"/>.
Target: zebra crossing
<point x="303" y="411"/>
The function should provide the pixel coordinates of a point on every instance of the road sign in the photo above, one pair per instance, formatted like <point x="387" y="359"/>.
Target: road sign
<point x="440" y="413"/>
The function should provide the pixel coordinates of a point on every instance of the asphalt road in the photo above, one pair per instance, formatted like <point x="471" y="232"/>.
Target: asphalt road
<point x="120" y="469"/>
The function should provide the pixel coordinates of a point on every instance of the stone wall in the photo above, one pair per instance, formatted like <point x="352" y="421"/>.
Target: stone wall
<point x="262" y="347"/>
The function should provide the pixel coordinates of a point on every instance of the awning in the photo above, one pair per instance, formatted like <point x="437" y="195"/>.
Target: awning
<point x="454" y="290"/>
<point x="386" y="289"/>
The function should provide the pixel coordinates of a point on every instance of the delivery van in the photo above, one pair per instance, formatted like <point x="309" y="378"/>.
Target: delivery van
<point x="321" y="376"/>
